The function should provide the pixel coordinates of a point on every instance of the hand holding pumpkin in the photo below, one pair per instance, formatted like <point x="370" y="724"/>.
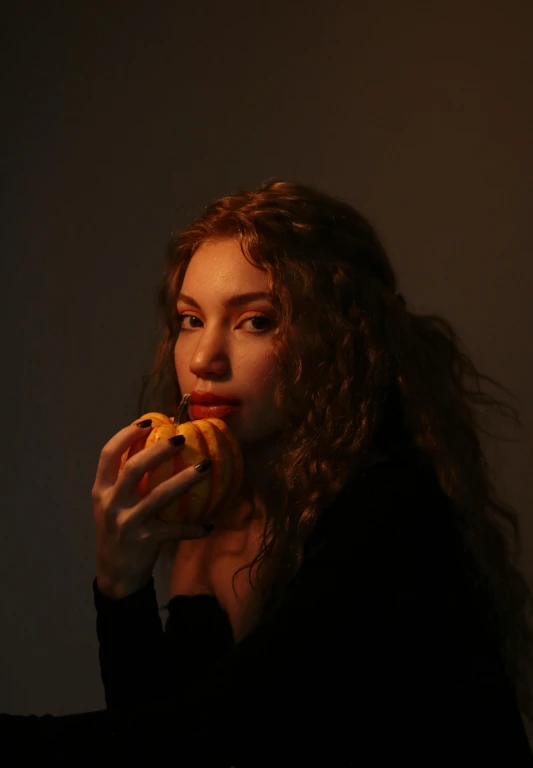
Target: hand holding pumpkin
<point x="204" y="438"/>
<point x="128" y="537"/>
<point x="147" y="491"/>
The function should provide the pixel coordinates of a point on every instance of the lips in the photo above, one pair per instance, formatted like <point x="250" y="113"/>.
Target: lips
<point x="210" y="398"/>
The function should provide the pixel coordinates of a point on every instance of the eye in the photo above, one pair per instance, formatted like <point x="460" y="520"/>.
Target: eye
<point x="261" y="318"/>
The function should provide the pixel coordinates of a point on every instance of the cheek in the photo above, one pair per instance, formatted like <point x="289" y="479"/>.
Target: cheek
<point x="176" y="358"/>
<point x="260" y="373"/>
<point x="180" y="365"/>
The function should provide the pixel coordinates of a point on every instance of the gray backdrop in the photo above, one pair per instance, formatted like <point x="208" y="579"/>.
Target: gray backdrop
<point x="122" y="120"/>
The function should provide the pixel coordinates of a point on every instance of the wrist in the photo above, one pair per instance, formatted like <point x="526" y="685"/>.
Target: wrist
<point x="117" y="590"/>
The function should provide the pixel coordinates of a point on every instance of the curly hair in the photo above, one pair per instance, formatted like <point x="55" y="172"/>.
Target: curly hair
<point x="379" y="365"/>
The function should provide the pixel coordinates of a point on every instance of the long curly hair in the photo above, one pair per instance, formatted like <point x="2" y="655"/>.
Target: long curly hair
<point x="367" y="362"/>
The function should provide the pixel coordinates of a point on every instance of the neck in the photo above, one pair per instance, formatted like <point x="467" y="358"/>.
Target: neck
<point x="259" y="480"/>
<point x="259" y="495"/>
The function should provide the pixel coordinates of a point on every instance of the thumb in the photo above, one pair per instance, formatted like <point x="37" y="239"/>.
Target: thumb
<point x="175" y="531"/>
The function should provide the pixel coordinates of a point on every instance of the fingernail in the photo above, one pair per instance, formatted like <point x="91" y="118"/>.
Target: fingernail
<point x="203" y="465"/>
<point x="208" y="528"/>
<point x="145" y="423"/>
<point x="177" y="440"/>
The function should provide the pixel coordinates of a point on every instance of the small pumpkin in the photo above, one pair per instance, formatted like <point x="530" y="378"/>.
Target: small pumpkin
<point x="204" y="438"/>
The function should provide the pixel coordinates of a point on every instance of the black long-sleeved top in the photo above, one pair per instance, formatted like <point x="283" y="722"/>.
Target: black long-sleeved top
<point x="378" y="652"/>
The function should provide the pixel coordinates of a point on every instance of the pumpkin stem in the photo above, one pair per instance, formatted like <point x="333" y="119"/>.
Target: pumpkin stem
<point x="182" y="410"/>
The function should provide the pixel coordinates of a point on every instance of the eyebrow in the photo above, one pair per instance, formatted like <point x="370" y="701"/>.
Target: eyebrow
<point x="232" y="301"/>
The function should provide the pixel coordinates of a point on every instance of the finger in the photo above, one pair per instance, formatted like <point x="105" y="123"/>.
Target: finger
<point x="167" y="491"/>
<point x="111" y="454"/>
<point x="135" y="468"/>
<point x="175" y="531"/>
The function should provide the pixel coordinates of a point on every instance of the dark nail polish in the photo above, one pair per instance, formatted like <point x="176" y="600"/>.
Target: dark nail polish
<point x="203" y="465"/>
<point x="208" y="528"/>
<point x="145" y="423"/>
<point x="177" y="440"/>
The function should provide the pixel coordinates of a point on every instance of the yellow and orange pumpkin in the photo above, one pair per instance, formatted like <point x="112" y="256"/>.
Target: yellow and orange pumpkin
<point x="204" y="438"/>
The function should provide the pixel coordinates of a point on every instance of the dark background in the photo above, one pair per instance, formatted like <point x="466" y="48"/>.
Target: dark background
<point x="121" y="121"/>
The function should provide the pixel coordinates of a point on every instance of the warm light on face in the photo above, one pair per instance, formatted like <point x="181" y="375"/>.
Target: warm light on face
<point x="230" y="303"/>
<point x="225" y="345"/>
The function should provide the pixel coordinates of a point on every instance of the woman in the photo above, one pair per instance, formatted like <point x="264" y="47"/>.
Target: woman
<point x="359" y="602"/>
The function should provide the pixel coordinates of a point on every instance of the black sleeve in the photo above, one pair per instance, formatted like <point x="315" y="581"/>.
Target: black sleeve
<point x="138" y="661"/>
<point x="370" y="658"/>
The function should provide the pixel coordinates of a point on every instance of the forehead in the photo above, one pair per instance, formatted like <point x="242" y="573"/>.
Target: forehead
<point x="222" y="264"/>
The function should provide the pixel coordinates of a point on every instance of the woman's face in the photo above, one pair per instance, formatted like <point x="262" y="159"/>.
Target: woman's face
<point x="219" y="347"/>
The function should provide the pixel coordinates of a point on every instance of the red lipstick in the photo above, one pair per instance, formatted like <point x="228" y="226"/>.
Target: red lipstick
<point x="205" y="397"/>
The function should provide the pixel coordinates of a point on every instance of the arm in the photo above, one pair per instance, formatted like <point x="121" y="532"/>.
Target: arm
<point x="138" y="661"/>
<point x="131" y="646"/>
